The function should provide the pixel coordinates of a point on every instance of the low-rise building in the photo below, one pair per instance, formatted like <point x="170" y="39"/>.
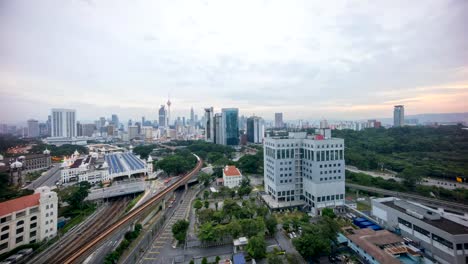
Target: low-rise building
<point x="232" y="177"/>
<point x="379" y="247"/>
<point x="28" y="219"/>
<point x="442" y="235"/>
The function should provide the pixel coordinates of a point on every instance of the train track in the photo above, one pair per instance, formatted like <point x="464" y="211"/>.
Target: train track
<point x="104" y="233"/>
<point x="78" y="239"/>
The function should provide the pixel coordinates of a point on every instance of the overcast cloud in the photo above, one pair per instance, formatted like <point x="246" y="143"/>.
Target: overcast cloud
<point x="308" y="59"/>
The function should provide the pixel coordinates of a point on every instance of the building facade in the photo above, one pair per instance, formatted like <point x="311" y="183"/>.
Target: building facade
<point x="209" y="125"/>
<point x="63" y="123"/>
<point x="218" y="129"/>
<point x="303" y="170"/>
<point x="279" y="120"/>
<point x="230" y="126"/>
<point x="162" y="116"/>
<point x="33" y="128"/>
<point x="442" y="235"/>
<point x="232" y="177"/>
<point x="255" y="130"/>
<point x="28" y="219"/>
<point x="399" y="116"/>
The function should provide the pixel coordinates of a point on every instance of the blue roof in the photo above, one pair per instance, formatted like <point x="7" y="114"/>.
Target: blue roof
<point x="375" y="227"/>
<point x="366" y="223"/>
<point x="359" y="219"/>
<point x="239" y="258"/>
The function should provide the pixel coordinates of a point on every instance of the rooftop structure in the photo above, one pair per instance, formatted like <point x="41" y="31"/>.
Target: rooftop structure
<point x="232" y="177"/>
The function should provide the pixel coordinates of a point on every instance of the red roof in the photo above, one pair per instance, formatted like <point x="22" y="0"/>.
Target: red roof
<point x="18" y="204"/>
<point x="231" y="171"/>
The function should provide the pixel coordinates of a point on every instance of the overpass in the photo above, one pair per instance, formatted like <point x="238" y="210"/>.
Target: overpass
<point x="462" y="208"/>
<point x="131" y="217"/>
<point x="117" y="189"/>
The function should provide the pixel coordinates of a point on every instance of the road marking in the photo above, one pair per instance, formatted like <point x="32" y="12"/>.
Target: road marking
<point x="154" y="252"/>
<point x="157" y="246"/>
<point x="150" y="258"/>
<point x="160" y="242"/>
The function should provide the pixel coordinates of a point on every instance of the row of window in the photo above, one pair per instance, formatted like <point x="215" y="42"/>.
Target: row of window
<point x="424" y="232"/>
<point x="304" y="145"/>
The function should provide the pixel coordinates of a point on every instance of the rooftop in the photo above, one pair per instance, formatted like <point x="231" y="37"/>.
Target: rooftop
<point x="442" y="223"/>
<point x="231" y="171"/>
<point x="373" y="242"/>
<point x="18" y="204"/>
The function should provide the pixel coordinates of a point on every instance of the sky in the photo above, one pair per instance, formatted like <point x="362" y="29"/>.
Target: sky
<point x="308" y="59"/>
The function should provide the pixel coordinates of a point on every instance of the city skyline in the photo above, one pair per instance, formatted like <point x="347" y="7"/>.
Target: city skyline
<point x="346" y="60"/>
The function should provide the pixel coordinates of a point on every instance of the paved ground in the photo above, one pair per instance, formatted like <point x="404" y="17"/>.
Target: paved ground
<point x="161" y="250"/>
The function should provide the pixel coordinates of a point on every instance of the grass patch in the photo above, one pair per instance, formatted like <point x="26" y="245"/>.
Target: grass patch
<point x="80" y="217"/>
<point x="363" y="206"/>
<point x="133" y="202"/>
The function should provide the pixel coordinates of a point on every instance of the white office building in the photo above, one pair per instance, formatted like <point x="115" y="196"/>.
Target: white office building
<point x="304" y="171"/>
<point x="28" y="219"/>
<point x="209" y="125"/>
<point x="63" y="123"/>
<point x="33" y="128"/>
<point x="255" y="130"/>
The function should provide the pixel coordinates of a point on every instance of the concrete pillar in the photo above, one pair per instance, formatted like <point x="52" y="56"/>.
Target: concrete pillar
<point x="163" y="204"/>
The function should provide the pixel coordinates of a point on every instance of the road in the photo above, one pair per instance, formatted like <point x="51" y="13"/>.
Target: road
<point x="49" y="178"/>
<point x="450" y="185"/>
<point x="429" y="201"/>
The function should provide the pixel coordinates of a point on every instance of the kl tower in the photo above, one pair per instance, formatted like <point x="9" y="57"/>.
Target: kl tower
<point x="168" y="113"/>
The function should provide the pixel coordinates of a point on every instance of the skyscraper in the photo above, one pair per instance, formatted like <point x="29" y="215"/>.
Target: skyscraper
<point x="218" y="130"/>
<point x="279" y="120"/>
<point x="63" y="123"/>
<point x="230" y="126"/>
<point x="115" y="120"/>
<point x="192" y="116"/>
<point x="33" y="128"/>
<point x="399" y="115"/>
<point x="255" y="129"/>
<point x="162" y="116"/>
<point x="209" y="125"/>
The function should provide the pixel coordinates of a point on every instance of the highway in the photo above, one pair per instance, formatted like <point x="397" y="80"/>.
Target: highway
<point x="414" y="197"/>
<point x="127" y="219"/>
<point x="49" y="178"/>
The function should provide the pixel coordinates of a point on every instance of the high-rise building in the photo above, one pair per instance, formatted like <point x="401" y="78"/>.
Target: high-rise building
<point x="324" y="123"/>
<point x="209" y="125"/>
<point x="133" y="132"/>
<point x="218" y="130"/>
<point x="192" y="116"/>
<point x="79" y="129"/>
<point x="399" y="116"/>
<point x="63" y="123"/>
<point x="115" y="120"/>
<point x="88" y="130"/>
<point x="33" y="128"/>
<point x="162" y="116"/>
<point x="168" y="122"/>
<point x="43" y="130"/>
<point x="230" y="126"/>
<point x="255" y="129"/>
<point x="49" y="125"/>
<point x="279" y="120"/>
<point x="304" y="171"/>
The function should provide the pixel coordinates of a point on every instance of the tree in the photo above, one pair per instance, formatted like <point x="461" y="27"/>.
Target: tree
<point x="271" y="224"/>
<point x="234" y="228"/>
<point x="206" y="232"/>
<point x="274" y="259"/>
<point x="205" y="215"/>
<point x="205" y="178"/>
<point x="206" y="194"/>
<point x="256" y="247"/>
<point x="328" y="212"/>
<point x="179" y="230"/>
<point x="217" y="259"/>
<point x="204" y="261"/>
<point x="77" y="197"/>
<point x="207" y="204"/>
<point x="198" y="204"/>
<point x="216" y="206"/>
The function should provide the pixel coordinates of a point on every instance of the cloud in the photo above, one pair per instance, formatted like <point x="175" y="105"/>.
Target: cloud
<point x="343" y="59"/>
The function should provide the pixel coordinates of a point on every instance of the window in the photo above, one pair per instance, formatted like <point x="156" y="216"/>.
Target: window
<point x="465" y="245"/>
<point x="459" y="247"/>
<point x="4" y="236"/>
<point x="5" y="219"/>
<point x="33" y="225"/>
<point x="442" y="241"/>
<point x="32" y="234"/>
<point x="20" y="223"/>
<point x="422" y="231"/>
<point x="20" y="214"/>
<point x="19" y="239"/>
<point x="33" y="218"/>
<point x="5" y="228"/>
<point x="34" y="210"/>
<point x="3" y="246"/>
<point x="19" y="230"/>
